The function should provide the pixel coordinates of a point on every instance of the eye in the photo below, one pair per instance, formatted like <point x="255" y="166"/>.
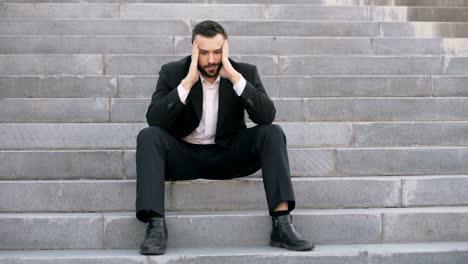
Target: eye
<point x="218" y="51"/>
<point x="202" y="52"/>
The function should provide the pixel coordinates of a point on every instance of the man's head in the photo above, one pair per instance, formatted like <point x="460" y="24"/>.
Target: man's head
<point x="210" y="37"/>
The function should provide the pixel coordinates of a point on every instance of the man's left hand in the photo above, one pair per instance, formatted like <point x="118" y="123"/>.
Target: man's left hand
<point x="227" y="71"/>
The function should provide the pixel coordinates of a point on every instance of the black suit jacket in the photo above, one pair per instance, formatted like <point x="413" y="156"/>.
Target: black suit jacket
<point x="167" y="111"/>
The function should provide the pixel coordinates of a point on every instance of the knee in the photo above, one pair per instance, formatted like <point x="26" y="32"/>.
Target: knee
<point x="274" y="131"/>
<point x="151" y="133"/>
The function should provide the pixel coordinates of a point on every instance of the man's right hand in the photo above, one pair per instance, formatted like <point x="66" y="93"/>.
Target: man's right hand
<point x="193" y="74"/>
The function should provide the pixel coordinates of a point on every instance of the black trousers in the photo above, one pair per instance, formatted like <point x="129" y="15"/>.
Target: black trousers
<point x="161" y="157"/>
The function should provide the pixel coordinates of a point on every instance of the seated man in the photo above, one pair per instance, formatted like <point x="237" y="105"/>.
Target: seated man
<point x="197" y="130"/>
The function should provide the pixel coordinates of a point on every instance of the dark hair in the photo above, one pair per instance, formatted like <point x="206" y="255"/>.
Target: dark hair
<point x="208" y="28"/>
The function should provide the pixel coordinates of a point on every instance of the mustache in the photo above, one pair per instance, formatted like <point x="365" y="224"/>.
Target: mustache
<point x="209" y="65"/>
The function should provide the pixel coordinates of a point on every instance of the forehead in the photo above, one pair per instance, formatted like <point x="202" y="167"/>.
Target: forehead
<point x="210" y="44"/>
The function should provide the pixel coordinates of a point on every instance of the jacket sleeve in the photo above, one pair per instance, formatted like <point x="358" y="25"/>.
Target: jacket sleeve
<point x="165" y="104"/>
<point x="258" y="105"/>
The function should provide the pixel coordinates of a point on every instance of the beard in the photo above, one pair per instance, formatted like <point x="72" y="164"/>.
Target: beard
<point x="210" y="73"/>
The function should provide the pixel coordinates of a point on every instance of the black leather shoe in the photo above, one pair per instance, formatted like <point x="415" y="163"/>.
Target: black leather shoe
<point x="155" y="242"/>
<point x="284" y="235"/>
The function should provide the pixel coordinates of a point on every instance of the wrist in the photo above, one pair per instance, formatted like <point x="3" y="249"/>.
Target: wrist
<point x="186" y="84"/>
<point x="235" y="77"/>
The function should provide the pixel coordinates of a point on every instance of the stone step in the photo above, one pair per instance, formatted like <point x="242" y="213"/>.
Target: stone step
<point x="129" y="110"/>
<point x="34" y="44"/>
<point x="149" y="64"/>
<point x="433" y="3"/>
<point x="239" y="194"/>
<point x="299" y="135"/>
<point x="120" y="164"/>
<point x="129" y="86"/>
<point x="234" y="28"/>
<point x="231" y="11"/>
<point x="233" y="228"/>
<point x="37" y="136"/>
<point x="394" y="253"/>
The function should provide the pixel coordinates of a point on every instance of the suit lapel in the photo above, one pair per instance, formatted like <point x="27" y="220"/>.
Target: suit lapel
<point x="225" y="89"/>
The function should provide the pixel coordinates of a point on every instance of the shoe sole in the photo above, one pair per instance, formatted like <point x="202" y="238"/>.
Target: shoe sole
<point x="160" y="252"/>
<point x="279" y="245"/>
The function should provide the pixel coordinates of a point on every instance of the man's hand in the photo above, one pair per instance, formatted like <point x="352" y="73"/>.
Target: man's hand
<point x="227" y="71"/>
<point x="193" y="74"/>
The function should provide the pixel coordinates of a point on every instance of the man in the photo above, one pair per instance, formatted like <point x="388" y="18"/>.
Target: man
<point x="197" y="130"/>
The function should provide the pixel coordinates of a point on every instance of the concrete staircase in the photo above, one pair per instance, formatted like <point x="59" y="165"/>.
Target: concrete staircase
<point x="373" y="97"/>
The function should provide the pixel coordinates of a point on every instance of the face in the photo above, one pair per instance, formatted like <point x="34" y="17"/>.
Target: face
<point x="210" y="55"/>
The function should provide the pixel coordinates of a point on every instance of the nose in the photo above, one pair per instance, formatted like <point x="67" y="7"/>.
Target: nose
<point x="211" y="59"/>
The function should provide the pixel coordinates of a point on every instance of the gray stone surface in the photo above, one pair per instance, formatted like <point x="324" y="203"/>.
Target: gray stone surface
<point x="252" y="228"/>
<point x="455" y="46"/>
<point x="279" y="45"/>
<point x="69" y="136"/>
<point x="86" y="44"/>
<point x="37" y="44"/>
<point x="437" y="191"/>
<point x="401" y="253"/>
<point x="213" y="195"/>
<point x="136" y="64"/>
<point x="29" y="165"/>
<point x="288" y="109"/>
<point x="432" y="3"/>
<point x="201" y="194"/>
<point x="62" y="10"/>
<point x="403" y="46"/>
<point x="311" y="162"/>
<point x="311" y="12"/>
<point x="137" y="86"/>
<point x="301" y="134"/>
<point x="51" y="64"/>
<point x="427" y="225"/>
<point x="437" y="14"/>
<point x="151" y="64"/>
<point x="300" y="28"/>
<point x="129" y="110"/>
<point x="322" y="254"/>
<point x="66" y="196"/>
<point x="424" y="29"/>
<point x="48" y="110"/>
<point x="402" y="161"/>
<point x="94" y="27"/>
<point x="452" y="257"/>
<point x="388" y="13"/>
<point x="385" y="109"/>
<point x="455" y="65"/>
<point x="190" y="11"/>
<point x="310" y="193"/>
<point x="412" y="134"/>
<point x="357" y="86"/>
<point x="51" y="231"/>
<point x="57" y="86"/>
<point x="347" y="193"/>
<point x="124" y="230"/>
<point x="418" y="253"/>
<point x="54" y="65"/>
<point x="326" y="228"/>
<point x="358" y="65"/>
<point x="449" y="86"/>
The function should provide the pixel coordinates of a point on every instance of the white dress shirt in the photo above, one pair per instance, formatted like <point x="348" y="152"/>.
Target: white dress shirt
<point x="206" y="130"/>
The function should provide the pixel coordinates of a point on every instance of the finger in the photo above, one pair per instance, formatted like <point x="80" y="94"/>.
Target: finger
<point x="225" y="50"/>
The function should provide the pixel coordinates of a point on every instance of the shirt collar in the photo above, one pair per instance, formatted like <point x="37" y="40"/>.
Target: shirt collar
<point x="209" y="84"/>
